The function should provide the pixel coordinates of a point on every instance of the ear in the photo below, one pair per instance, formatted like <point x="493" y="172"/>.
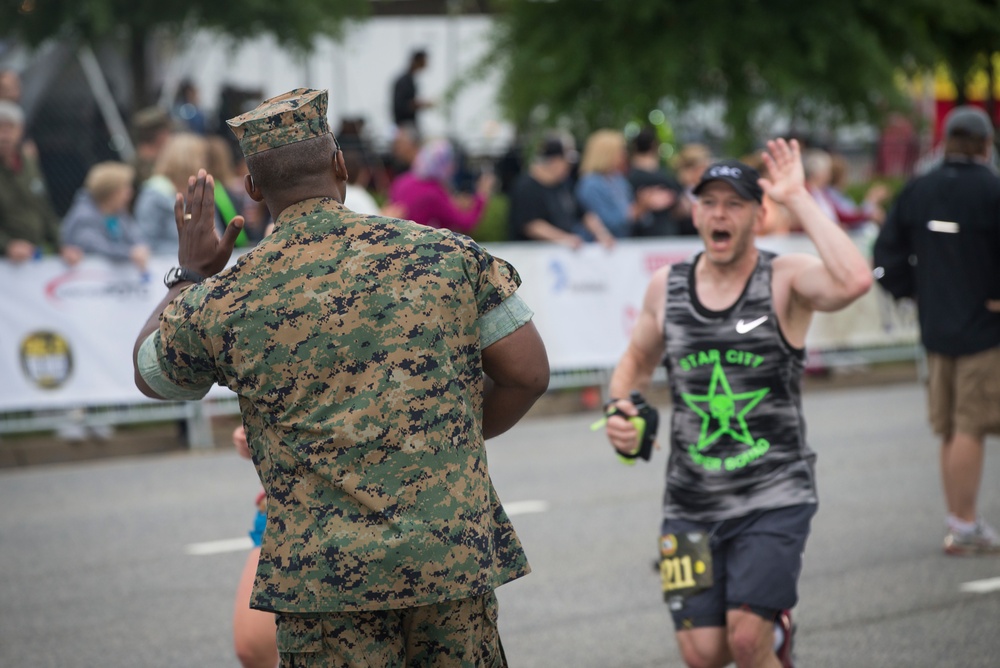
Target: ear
<point x="339" y="166"/>
<point x="695" y="212"/>
<point x="252" y="189"/>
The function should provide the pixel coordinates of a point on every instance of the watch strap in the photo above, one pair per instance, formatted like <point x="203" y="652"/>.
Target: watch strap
<point x="177" y="275"/>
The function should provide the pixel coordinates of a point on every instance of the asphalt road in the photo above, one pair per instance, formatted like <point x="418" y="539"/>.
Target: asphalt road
<point x="95" y="568"/>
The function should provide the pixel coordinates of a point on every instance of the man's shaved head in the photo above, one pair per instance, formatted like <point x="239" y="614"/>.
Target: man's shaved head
<point x="279" y="168"/>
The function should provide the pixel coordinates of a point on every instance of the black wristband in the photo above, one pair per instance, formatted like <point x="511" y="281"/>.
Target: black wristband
<point x="177" y="275"/>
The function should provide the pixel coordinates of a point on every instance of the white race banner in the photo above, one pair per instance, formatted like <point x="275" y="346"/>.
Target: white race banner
<point x="66" y="334"/>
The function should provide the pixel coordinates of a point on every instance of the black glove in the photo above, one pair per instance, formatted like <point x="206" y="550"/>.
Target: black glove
<point x="646" y="423"/>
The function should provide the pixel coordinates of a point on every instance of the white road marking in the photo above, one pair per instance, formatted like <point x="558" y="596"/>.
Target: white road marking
<point x="981" y="586"/>
<point x="219" y="546"/>
<point x="238" y="544"/>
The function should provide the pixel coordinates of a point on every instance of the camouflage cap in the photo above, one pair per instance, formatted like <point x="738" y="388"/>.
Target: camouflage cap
<point x="294" y="116"/>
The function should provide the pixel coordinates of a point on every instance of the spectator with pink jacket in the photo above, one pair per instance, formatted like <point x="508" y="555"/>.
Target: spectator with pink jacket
<point x="424" y="195"/>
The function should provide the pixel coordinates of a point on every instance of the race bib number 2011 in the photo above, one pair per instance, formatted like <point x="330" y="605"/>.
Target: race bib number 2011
<point x="685" y="564"/>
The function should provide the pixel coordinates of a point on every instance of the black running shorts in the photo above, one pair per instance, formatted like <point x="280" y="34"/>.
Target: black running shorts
<point x="756" y="562"/>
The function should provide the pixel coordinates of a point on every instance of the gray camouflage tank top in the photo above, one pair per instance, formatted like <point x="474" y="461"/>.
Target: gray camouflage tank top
<point x="737" y="434"/>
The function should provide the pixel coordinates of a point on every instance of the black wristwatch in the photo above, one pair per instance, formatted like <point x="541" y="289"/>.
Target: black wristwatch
<point x="176" y="275"/>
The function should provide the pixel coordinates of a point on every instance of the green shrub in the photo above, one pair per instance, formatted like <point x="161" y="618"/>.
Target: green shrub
<point x="493" y="226"/>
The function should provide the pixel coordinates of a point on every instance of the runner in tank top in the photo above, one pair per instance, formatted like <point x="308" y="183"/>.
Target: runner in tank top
<point x="730" y="327"/>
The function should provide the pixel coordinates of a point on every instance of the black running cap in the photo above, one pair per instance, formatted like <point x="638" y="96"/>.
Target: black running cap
<point x="552" y="147"/>
<point x="742" y="177"/>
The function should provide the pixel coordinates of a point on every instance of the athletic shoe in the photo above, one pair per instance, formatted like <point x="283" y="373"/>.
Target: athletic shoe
<point x="980" y="541"/>
<point x="784" y="638"/>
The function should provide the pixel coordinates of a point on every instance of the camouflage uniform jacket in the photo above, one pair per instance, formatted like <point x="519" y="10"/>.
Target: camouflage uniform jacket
<point x="25" y="211"/>
<point x="353" y="344"/>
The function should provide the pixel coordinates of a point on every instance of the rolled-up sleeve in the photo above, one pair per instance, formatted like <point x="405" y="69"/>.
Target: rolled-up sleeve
<point x="152" y="373"/>
<point x="501" y="311"/>
<point x="503" y="320"/>
<point x="178" y="361"/>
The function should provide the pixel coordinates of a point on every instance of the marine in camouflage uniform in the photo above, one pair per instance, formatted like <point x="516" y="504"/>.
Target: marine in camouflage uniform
<point x="357" y="346"/>
<point x="730" y="327"/>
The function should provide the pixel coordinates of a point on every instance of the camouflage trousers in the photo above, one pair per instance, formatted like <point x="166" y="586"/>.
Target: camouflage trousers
<point x="452" y="634"/>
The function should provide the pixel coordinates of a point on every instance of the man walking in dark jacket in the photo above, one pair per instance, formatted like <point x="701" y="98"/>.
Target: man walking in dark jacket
<point x="948" y="221"/>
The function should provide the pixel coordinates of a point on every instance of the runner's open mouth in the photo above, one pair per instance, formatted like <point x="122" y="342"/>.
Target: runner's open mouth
<point x="720" y="235"/>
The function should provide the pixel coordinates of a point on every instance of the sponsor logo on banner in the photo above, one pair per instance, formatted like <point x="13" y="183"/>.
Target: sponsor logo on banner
<point x="560" y="277"/>
<point x="563" y="281"/>
<point x="46" y="359"/>
<point x="96" y="284"/>
<point x="654" y="261"/>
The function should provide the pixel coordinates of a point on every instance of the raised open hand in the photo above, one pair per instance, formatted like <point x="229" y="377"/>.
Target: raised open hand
<point x="784" y="166"/>
<point x="201" y="248"/>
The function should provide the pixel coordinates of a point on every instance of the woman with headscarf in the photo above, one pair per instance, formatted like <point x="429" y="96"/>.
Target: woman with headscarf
<point x="423" y="194"/>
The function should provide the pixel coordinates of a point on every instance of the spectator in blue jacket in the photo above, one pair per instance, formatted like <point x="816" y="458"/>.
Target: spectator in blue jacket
<point x="604" y="190"/>
<point x="99" y="222"/>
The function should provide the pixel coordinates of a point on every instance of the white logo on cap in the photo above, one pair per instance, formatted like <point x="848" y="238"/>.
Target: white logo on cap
<point x="725" y="170"/>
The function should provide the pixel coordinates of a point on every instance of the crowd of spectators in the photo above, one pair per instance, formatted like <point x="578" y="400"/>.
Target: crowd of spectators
<point x="123" y="212"/>
<point x="826" y="175"/>
<point x="130" y="221"/>
<point x="621" y="190"/>
<point x="618" y="188"/>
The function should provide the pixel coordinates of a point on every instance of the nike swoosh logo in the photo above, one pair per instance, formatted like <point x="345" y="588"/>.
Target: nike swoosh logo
<point x="743" y="327"/>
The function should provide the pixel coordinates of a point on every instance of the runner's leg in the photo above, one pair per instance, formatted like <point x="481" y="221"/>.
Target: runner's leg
<point x="751" y="639"/>
<point x="704" y="647"/>
<point x="253" y="630"/>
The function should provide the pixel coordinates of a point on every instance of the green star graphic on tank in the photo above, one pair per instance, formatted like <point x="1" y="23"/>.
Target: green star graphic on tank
<point x="723" y="408"/>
